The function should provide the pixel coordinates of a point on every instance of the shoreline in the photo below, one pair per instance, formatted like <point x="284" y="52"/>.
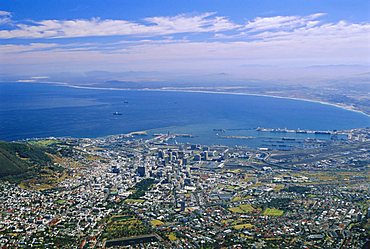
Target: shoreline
<point x="65" y="84"/>
<point x="347" y="108"/>
<point x="274" y="96"/>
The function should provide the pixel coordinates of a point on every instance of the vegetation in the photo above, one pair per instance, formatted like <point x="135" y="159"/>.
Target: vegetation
<point x="172" y="236"/>
<point x="273" y="212"/>
<point x="36" y="165"/>
<point x="141" y="188"/>
<point x="22" y="159"/>
<point x="278" y="187"/>
<point x="243" y="226"/>
<point x="44" y="142"/>
<point x="244" y="208"/>
<point x="156" y="223"/>
<point x="236" y="198"/>
<point x="278" y="203"/>
<point x="297" y="189"/>
<point x="134" y="201"/>
<point x="125" y="226"/>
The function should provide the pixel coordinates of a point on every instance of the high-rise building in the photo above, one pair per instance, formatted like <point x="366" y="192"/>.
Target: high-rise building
<point x="115" y="170"/>
<point x="182" y="206"/>
<point x="141" y="171"/>
<point x="205" y="155"/>
<point x="197" y="157"/>
<point x="161" y="154"/>
<point x="181" y="154"/>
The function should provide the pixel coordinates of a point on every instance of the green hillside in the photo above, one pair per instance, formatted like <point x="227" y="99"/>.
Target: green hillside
<point x="21" y="158"/>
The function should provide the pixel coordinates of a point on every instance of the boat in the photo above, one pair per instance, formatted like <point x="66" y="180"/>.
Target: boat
<point x="117" y="113"/>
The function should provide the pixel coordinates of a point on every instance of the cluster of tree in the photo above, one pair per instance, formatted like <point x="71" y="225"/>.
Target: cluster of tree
<point x="141" y="188"/>
<point x="278" y="203"/>
<point x="297" y="189"/>
<point x="126" y="229"/>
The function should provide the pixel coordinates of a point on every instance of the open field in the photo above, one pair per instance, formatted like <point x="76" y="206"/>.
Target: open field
<point x="172" y="236"/>
<point x="273" y="212"/>
<point x="244" y="208"/>
<point x="134" y="201"/>
<point x="243" y="226"/>
<point x="156" y="223"/>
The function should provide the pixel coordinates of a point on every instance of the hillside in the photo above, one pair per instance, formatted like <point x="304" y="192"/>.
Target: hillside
<point x="21" y="158"/>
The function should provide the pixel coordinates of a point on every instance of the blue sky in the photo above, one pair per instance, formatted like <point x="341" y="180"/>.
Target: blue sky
<point x="238" y="10"/>
<point x="264" y="40"/>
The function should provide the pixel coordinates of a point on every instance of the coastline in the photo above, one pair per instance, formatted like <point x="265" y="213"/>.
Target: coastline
<point x="344" y="107"/>
<point x="347" y="125"/>
<point x="347" y="108"/>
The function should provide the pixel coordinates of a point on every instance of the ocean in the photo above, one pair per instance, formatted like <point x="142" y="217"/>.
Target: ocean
<point x="30" y="110"/>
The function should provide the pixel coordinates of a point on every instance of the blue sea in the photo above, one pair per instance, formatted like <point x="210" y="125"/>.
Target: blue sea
<point x="29" y="110"/>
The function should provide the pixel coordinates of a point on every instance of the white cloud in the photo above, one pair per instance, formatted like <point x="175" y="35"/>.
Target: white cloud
<point x="4" y="13"/>
<point x="4" y="17"/>
<point x="200" y="23"/>
<point x="12" y="49"/>
<point x="154" y="26"/>
<point x="331" y="44"/>
<point x="290" y="42"/>
<point x="339" y="32"/>
<point x="282" y="22"/>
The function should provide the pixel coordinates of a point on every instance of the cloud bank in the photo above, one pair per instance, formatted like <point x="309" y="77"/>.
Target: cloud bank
<point x="152" y="26"/>
<point x="281" y="46"/>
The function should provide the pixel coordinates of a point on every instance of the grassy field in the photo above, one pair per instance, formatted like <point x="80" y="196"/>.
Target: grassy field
<point x="172" y="237"/>
<point x="331" y="177"/>
<point x="61" y="201"/>
<point x="241" y="198"/>
<point x="242" y="209"/>
<point x="236" y="198"/>
<point x="134" y="201"/>
<point x="243" y="226"/>
<point x="156" y="223"/>
<point x="120" y="226"/>
<point x="43" y="181"/>
<point x="44" y="143"/>
<point x="93" y="158"/>
<point x="278" y="187"/>
<point x="273" y="212"/>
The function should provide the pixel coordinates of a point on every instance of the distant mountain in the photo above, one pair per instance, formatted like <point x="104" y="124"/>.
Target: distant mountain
<point x="22" y="159"/>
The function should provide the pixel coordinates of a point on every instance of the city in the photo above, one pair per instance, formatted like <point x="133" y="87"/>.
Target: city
<point x="185" y="124"/>
<point x="133" y="190"/>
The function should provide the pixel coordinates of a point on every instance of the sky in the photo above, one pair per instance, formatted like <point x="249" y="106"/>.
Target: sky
<point x="285" y="41"/>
